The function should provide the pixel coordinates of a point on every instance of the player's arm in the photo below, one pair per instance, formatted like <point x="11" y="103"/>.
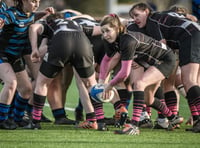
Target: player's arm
<point x="92" y="30"/>
<point x="114" y="61"/>
<point x="120" y="77"/>
<point x="122" y="74"/>
<point x="34" y="31"/>
<point x="107" y="64"/>
<point x="96" y="30"/>
<point x="43" y="47"/>
<point x="42" y="14"/>
<point x="83" y="16"/>
<point x="104" y="70"/>
<point x="71" y="11"/>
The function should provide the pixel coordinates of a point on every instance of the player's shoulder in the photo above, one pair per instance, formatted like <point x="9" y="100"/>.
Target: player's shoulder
<point x="86" y="20"/>
<point x="131" y="26"/>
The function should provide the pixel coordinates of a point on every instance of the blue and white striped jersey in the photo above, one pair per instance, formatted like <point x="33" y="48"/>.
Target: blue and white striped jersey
<point x="14" y="36"/>
<point x="3" y="7"/>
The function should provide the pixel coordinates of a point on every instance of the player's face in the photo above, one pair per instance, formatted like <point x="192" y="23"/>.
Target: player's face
<point x="140" y="17"/>
<point x="30" y="5"/>
<point x="109" y="33"/>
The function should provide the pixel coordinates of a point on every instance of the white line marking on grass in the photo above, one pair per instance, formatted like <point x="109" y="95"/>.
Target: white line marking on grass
<point x="66" y="108"/>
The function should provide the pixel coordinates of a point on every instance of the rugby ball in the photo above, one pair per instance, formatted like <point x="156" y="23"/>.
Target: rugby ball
<point x="96" y="94"/>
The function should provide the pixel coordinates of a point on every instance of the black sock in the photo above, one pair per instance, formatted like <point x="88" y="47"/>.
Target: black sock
<point x="59" y="113"/>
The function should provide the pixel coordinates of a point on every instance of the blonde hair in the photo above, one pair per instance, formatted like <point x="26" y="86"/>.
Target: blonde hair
<point x="179" y="9"/>
<point x="183" y="10"/>
<point x="114" y="22"/>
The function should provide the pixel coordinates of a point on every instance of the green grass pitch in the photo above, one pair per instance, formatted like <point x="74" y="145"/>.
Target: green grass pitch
<point x="67" y="136"/>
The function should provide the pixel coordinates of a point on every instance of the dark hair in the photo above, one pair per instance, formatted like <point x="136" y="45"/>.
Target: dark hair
<point x="114" y="21"/>
<point x="18" y="4"/>
<point x="50" y="19"/>
<point x="140" y="6"/>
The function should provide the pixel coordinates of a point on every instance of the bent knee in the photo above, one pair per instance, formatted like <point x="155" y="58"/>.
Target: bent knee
<point x="11" y="84"/>
<point x="139" y="85"/>
<point x="26" y="91"/>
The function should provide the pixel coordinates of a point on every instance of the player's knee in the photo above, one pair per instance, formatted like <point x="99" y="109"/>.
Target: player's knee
<point x="139" y="85"/>
<point x="26" y="91"/>
<point x="11" y="84"/>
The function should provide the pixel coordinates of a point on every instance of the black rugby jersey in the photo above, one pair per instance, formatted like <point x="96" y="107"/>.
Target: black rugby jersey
<point x="157" y="35"/>
<point x="60" y="25"/>
<point x="14" y="36"/>
<point x="139" y="47"/>
<point x="86" y="22"/>
<point x="170" y="26"/>
<point x="78" y="24"/>
<point x="87" y="25"/>
<point x="96" y="41"/>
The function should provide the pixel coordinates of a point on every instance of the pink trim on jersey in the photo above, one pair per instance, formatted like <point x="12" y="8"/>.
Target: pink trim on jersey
<point x="104" y="68"/>
<point x="123" y="73"/>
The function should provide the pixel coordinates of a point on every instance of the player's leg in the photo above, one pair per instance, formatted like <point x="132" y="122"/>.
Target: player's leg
<point x="189" y="56"/>
<point x="190" y="79"/>
<point x="55" y="99"/>
<point x="7" y="92"/>
<point x="24" y="92"/>
<point x="32" y="69"/>
<point x="136" y="73"/>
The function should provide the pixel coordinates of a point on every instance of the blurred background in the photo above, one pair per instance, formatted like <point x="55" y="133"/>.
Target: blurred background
<point x="98" y="8"/>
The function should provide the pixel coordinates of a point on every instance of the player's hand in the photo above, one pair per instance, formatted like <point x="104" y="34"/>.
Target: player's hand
<point x="50" y="10"/>
<point x="35" y="56"/>
<point x="135" y="65"/>
<point x="100" y="81"/>
<point x="107" y="91"/>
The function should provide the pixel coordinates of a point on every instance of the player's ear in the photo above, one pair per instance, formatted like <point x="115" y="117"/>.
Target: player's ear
<point x="147" y="11"/>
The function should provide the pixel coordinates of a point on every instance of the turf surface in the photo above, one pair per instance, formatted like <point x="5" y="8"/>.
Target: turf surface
<point x="67" y="136"/>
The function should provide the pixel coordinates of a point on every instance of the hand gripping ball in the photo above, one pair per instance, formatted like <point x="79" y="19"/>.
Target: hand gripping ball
<point x="96" y="94"/>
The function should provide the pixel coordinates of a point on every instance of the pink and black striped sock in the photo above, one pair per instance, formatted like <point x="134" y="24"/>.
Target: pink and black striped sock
<point x="91" y="117"/>
<point x="138" y="104"/>
<point x="148" y="109"/>
<point x="98" y="109"/>
<point x="125" y="97"/>
<point x="159" y="106"/>
<point x="117" y="105"/>
<point x="171" y="101"/>
<point x="193" y="96"/>
<point x="160" y="95"/>
<point x="38" y="104"/>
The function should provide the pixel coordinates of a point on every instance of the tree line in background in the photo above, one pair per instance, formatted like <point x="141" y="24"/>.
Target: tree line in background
<point x="99" y="7"/>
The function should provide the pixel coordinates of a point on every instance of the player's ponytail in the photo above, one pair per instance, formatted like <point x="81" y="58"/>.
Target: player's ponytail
<point x="18" y="4"/>
<point x="114" y="22"/>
